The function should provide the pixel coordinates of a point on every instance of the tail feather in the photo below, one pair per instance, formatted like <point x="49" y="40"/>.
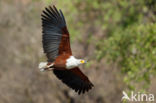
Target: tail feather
<point x="45" y="66"/>
<point x="42" y="65"/>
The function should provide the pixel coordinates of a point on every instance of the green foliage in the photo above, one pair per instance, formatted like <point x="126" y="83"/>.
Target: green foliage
<point x="131" y="42"/>
<point x="135" y="51"/>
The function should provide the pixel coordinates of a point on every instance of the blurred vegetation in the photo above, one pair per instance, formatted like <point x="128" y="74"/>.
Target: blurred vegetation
<point x="131" y="40"/>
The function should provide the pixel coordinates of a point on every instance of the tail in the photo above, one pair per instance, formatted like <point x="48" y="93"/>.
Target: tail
<point x="42" y="66"/>
<point x="45" y="66"/>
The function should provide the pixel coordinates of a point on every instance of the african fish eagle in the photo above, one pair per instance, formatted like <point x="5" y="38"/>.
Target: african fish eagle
<point x="56" y="46"/>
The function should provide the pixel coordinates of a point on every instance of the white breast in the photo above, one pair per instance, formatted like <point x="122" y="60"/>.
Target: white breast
<point x="71" y="62"/>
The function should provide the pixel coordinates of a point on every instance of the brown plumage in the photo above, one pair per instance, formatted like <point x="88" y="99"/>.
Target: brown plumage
<point x="56" y="45"/>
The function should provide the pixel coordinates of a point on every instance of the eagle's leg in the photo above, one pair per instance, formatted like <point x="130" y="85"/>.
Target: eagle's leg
<point x="48" y="69"/>
<point x="44" y="66"/>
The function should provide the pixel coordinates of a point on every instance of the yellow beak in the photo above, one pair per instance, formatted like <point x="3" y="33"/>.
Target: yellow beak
<point x="82" y="61"/>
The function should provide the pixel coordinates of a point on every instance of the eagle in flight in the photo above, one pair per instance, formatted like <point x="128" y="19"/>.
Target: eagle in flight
<point x="56" y="46"/>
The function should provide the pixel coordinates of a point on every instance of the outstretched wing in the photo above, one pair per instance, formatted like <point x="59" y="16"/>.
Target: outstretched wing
<point x="55" y="36"/>
<point x="75" y="79"/>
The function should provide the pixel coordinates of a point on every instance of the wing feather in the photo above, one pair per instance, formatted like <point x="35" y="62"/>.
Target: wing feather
<point x="75" y="79"/>
<point x="53" y="29"/>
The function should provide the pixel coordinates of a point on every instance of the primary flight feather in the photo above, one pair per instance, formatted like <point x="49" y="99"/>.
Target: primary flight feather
<point x="56" y="46"/>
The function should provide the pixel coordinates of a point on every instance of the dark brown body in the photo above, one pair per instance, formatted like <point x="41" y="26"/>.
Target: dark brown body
<point x="60" y="61"/>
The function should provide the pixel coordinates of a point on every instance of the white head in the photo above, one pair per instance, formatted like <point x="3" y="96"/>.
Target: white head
<point x="73" y="62"/>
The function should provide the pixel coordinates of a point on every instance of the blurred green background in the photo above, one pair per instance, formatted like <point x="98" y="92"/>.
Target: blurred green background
<point x="117" y="37"/>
